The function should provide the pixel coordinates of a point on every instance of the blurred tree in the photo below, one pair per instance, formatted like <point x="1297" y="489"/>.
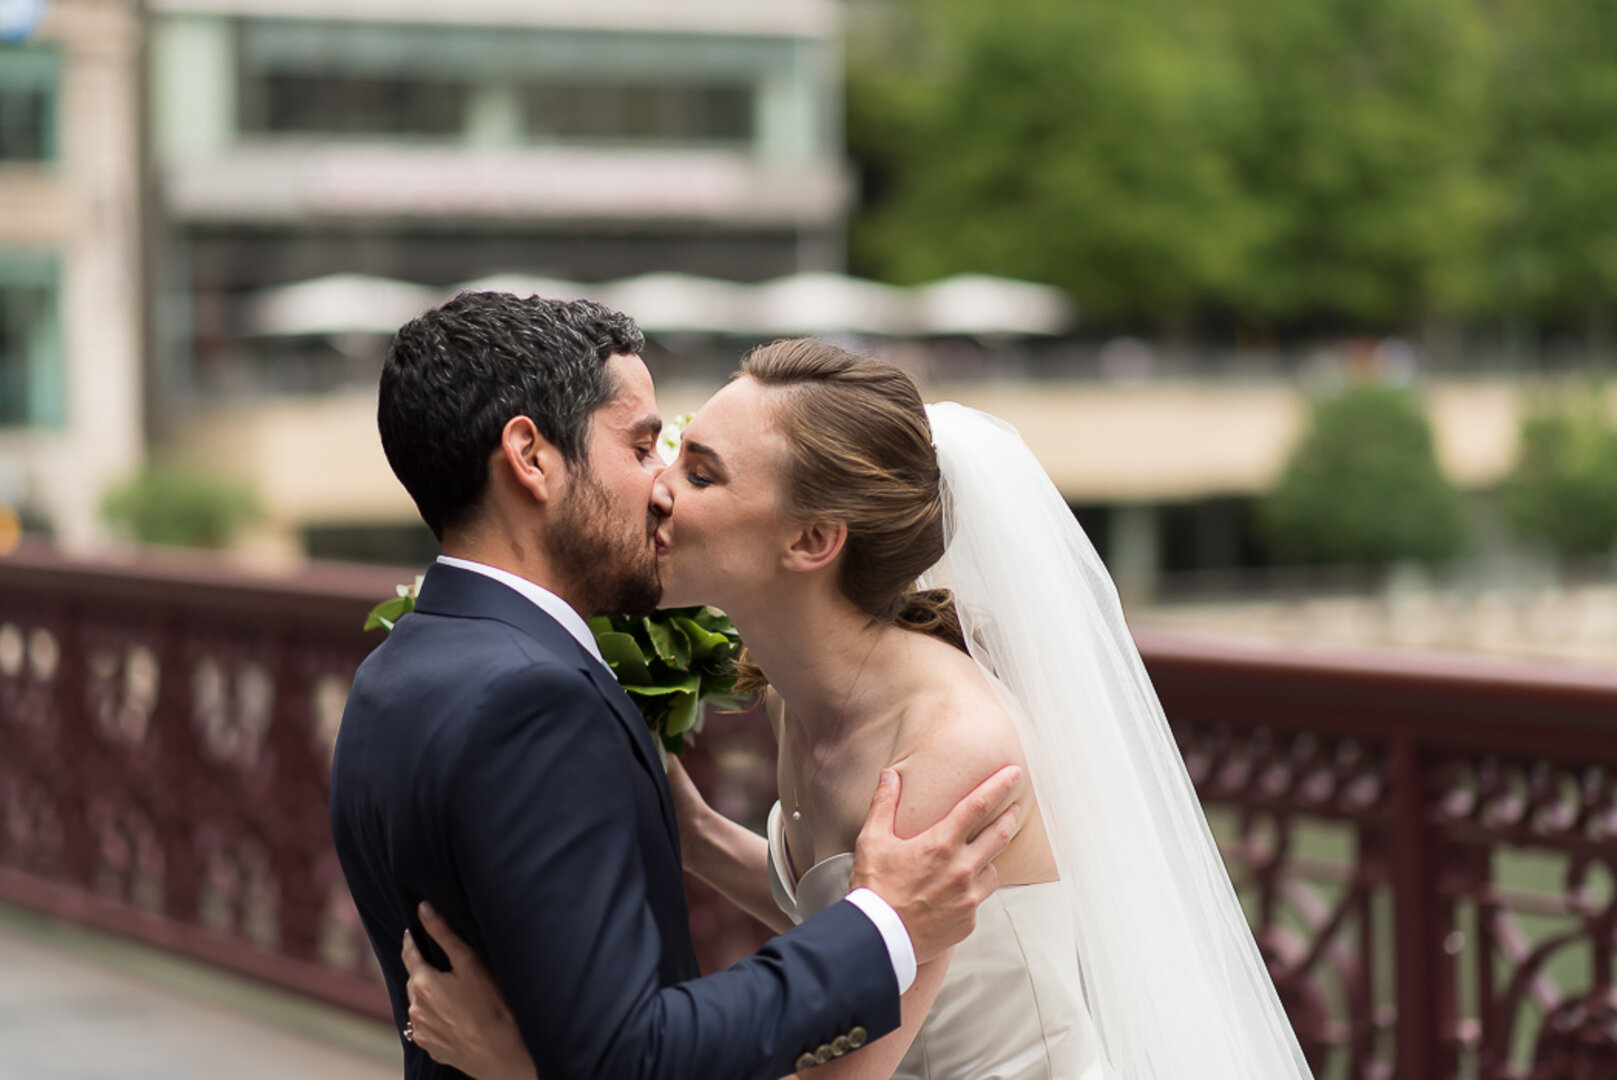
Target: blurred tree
<point x="1563" y="490"/>
<point x="1277" y="162"/>
<point x="1077" y="143"/>
<point x="167" y="503"/>
<point x="1365" y="136"/>
<point x="1556" y="95"/>
<point x="1364" y="487"/>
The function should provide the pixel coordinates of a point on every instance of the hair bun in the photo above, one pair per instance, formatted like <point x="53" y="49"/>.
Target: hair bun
<point x="932" y="612"/>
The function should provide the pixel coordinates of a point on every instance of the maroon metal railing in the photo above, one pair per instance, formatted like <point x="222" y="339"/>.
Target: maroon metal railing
<point x="1427" y="846"/>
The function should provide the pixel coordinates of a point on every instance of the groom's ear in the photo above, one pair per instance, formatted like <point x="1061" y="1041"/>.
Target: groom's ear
<point x="532" y="462"/>
<point x="816" y="545"/>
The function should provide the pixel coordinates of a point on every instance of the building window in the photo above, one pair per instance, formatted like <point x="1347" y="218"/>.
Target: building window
<point x="643" y="112"/>
<point x="32" y="388"/>
<point x="28" y="94"/>
<point x="319" y="104"/>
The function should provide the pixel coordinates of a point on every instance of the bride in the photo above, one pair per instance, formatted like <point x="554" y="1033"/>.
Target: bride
<point x="916" y="595"/>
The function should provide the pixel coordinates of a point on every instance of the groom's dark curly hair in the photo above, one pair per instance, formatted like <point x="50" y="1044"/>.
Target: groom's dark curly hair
<point x="455" y="375"/>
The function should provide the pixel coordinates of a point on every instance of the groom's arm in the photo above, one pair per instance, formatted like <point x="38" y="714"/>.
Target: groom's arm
<point x="547" y="845"/>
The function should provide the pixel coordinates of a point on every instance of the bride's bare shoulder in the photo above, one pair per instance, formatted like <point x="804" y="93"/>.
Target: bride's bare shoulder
<point x="954" y="734"/>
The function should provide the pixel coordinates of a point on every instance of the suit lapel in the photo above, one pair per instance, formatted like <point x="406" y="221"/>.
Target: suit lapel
<point x="644" y="741"/>
<point x="450" y="590"/>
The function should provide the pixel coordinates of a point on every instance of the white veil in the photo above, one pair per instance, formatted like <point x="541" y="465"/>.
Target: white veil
<point x="1171" y="973"/>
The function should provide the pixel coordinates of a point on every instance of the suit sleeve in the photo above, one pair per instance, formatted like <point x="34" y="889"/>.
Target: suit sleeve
<point x="547" y="846"/>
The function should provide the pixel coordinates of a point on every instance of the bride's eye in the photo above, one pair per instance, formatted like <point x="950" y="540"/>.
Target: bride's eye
<point x="697" y="480"/>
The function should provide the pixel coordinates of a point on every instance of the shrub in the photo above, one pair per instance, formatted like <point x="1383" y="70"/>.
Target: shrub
<point x="1563" y="489"/>
<point x="1363" y="486"/>
<point x="167" y="503"/>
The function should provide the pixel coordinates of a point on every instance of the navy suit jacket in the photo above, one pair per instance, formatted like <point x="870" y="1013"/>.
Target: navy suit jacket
<point x="489" y="764"/>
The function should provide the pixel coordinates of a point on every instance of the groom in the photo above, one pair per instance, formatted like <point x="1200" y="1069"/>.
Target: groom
<point x="488" y="762"/>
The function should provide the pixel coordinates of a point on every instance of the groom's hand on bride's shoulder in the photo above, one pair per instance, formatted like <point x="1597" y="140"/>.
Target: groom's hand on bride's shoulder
<point x="936" y="879"/>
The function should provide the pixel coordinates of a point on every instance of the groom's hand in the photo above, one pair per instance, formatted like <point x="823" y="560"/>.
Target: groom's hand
<point x="935" y="880"/>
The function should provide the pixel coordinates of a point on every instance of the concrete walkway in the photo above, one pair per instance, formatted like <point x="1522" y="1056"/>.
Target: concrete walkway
<point x="81" y="1006"/>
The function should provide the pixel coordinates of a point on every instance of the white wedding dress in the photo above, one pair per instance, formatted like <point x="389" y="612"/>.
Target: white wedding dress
<point x="1138" y="964"/>
<point x="1011" y="1006"/>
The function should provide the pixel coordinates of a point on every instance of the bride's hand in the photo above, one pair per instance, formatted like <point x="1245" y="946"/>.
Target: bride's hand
<point x="458" y="1016"/>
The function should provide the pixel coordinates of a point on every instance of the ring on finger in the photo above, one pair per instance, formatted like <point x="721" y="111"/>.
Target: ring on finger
<point x="408" y="1032"/>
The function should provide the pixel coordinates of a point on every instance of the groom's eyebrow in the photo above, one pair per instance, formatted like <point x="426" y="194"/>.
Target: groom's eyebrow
<point x="647" y="425"/>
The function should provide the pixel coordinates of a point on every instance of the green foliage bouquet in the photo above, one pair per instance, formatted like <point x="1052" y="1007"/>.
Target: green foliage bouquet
<point x="671" y="661"/>
<point x="668" y="662"/>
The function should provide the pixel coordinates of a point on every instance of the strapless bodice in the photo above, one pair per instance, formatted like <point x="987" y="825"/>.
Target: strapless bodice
<point x="822" y="885"/>
<point x="1011" y="1006"/>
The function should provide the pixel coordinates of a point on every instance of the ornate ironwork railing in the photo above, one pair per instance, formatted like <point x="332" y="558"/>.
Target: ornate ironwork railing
<point x="165" y="736"/>
<point x="1428" y="847"/>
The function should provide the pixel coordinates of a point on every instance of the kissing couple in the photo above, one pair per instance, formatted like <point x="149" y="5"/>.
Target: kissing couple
<point x="987" y="860"/>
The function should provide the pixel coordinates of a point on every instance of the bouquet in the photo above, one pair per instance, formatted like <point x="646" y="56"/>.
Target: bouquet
<point x="669" y="662"/>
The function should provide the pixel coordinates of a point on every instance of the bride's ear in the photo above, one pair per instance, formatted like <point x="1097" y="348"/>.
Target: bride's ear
<point x="816" y="546"/>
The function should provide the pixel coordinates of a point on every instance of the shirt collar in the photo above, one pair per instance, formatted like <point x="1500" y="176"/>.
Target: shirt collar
<point x="542" y="598"/>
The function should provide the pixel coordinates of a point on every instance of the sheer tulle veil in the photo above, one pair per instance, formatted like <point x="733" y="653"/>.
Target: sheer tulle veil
<point x="1171" y="973"/>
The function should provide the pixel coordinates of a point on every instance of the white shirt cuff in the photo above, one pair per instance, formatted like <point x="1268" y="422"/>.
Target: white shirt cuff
<point x="899" y="947"/>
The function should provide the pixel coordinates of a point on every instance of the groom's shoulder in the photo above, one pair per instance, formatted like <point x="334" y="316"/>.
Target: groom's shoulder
<point x="427" y="640"/>
<point x="428" y="706"/>
<point x="451" y="668"/>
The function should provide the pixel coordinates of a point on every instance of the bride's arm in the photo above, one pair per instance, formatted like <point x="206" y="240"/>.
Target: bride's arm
<point x="458" y="1016"/>
<point x="728" y="856"/>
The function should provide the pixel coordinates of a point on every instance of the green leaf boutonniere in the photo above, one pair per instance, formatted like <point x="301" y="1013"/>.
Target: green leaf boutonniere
<point x="668" y="662"/>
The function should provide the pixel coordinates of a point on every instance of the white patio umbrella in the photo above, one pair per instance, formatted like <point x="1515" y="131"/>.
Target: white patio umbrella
<point x="980" y="304"/>
<point x="337" y="304"/>
<point x="825" y="303"/>
<point x="665" y="303"/>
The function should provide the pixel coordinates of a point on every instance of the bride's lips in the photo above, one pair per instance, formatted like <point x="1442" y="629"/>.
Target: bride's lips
<point x="660" y="541"/>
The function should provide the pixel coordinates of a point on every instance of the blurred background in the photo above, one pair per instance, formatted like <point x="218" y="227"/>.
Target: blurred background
<point x="1169" y="241"/>
<point x="1310" y="310"/>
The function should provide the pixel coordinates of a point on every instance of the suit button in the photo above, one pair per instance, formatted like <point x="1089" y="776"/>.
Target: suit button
<point x="823" y="1054"/>
<point x="839" y="1045"/>
<point x="857" y="1037"/>
<point x="806" y="1061"/>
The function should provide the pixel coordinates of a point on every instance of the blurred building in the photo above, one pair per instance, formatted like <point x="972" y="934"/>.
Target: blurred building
<point x="72" y="306"/>
<point x="439" y="142"/>
<point x="444" y="142"/>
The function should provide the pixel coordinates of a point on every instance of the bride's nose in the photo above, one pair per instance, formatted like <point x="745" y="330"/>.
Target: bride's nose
<point x="662" y="499"/>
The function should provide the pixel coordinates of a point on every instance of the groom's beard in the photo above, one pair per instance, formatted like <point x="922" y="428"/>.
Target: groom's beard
<point x="610" y="563"/>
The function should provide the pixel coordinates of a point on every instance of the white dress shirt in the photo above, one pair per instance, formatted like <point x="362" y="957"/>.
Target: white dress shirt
<point x="899" y="947"/>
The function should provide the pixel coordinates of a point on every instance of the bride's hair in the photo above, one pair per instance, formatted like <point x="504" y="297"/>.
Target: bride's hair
<point x="861" y="453"/>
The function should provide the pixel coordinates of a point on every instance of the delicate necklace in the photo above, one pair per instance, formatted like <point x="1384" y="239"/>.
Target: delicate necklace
<point x="797" y="810"/>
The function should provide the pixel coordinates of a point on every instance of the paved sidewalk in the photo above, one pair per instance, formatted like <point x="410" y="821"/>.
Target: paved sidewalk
<point x="81" y="1006"/>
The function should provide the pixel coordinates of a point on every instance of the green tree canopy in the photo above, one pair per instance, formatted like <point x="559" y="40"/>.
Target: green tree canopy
<point x="1555" y="88"/>
<point x="1364" y="487"/>
<point x="1366" y="164"/>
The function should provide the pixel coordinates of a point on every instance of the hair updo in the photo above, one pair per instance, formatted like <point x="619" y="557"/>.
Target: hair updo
<point x="859" y="451"/>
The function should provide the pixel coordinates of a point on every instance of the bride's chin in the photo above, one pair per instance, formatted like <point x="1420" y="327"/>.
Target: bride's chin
<point x="676" y="592"/>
